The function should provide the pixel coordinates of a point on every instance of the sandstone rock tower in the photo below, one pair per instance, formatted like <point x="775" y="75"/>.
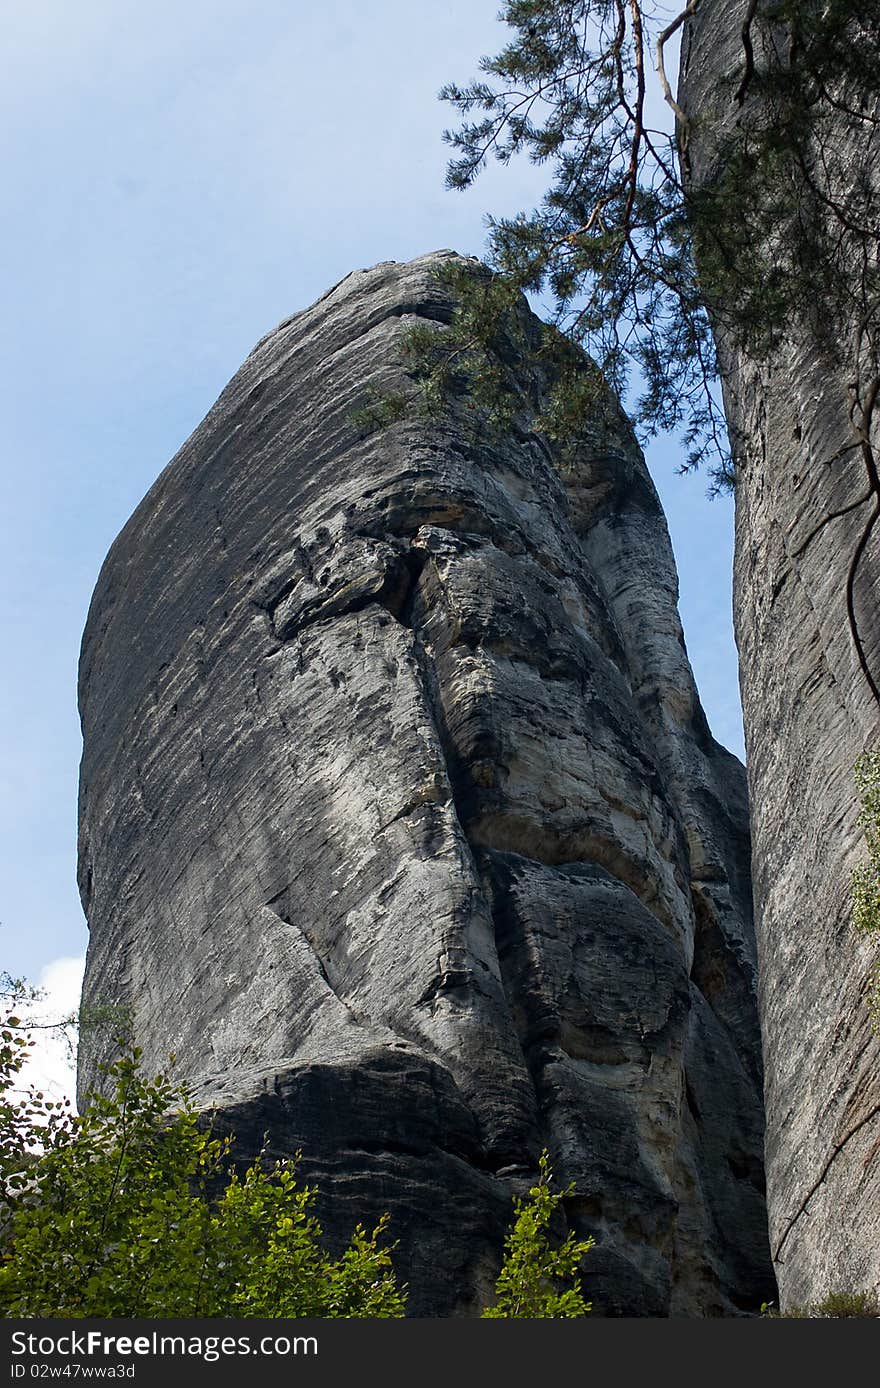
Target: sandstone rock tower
<point x="801" y="515"/>
<point x="401" y="823"/>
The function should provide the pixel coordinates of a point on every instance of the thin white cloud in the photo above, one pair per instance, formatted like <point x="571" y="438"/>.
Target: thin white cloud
<point x="51" y="1065"/>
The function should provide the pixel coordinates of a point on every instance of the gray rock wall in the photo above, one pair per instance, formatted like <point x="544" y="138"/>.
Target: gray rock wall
<point x="401" y="824"/>
<point x="809" y="713"/>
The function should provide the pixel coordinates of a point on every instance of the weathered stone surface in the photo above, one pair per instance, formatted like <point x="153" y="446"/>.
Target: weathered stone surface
<point x="402" y="826"/>
<point x="808" y="713"/>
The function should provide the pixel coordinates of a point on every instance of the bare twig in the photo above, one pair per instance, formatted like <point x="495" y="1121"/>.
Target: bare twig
<point x="662" y="40"/>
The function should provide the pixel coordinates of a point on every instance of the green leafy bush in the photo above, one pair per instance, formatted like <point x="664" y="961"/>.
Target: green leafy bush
<point x="117" y="1213"/>
<point x="834" y="1306"/>
<point x="538" y="1280"/>
<point x="135" y="1209"/>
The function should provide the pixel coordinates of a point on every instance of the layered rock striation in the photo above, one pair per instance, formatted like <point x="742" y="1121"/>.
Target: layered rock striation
<point x="402" y="826"/>
<point x="804" y="539"/>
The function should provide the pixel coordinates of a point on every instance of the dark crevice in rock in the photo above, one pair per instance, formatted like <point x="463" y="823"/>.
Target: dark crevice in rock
<point x="390" y="586"/>
<point x="399" y="596"/>
<point x="470" y="1158"/>
<point x="691" y="1101"/>
<point x="432" y="313"/>
<point x="278" y="905"/>
<point x="727" y="982"/>
<point x="446" y="982"/>
<point x="820" y="1180"/>
<point x="524" y="841"/>
<point x="745" y="1167"/>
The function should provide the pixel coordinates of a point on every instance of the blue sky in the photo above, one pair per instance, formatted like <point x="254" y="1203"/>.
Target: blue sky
<point x="179" y="177"/>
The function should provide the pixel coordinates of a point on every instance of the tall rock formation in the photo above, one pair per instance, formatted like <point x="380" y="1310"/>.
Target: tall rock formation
<point x="809" y="712"/>
<point x="402" y="826"/>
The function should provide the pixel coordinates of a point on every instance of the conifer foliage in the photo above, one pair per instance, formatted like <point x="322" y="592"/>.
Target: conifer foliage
<point x="644" y="268"/>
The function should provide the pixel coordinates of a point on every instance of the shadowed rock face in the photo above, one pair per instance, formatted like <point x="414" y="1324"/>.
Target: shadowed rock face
<point x="809" y="713"/>
<point x="401" y="824"/>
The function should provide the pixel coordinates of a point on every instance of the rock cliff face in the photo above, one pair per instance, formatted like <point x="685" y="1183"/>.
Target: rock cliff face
<point x="401" y="823"/>
<point x="801" y="513"/>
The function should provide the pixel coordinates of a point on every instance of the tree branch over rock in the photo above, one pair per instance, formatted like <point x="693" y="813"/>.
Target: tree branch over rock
<point x="645" y="270"/>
